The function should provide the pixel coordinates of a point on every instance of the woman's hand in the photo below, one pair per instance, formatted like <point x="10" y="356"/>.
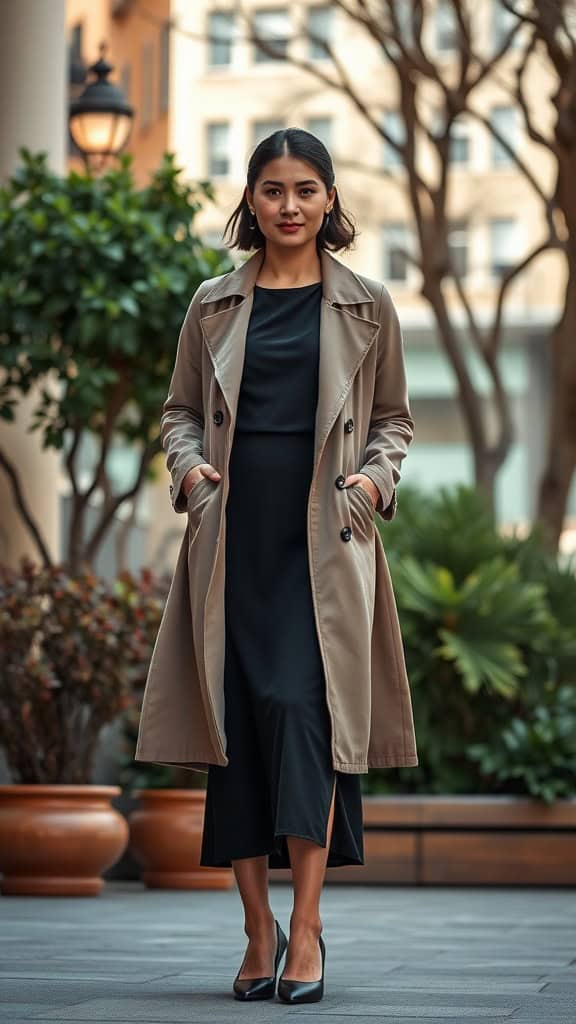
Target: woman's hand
<point x="193" y="476"/>
<point x="366" y="483"/>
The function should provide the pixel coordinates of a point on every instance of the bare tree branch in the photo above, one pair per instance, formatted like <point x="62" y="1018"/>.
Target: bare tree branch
<point x="507" y="280"/>
<point x="112" y="505"/>
<point x="513" y="154"/>
<point x="23" y="508"/>
<point x="533" y="133"/>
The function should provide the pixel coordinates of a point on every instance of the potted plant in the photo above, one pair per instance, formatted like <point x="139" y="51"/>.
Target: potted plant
<point x="166" y="825"/>
<point x="70" y="649"/>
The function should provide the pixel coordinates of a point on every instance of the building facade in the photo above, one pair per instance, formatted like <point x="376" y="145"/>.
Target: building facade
<point x="228" y="94"/>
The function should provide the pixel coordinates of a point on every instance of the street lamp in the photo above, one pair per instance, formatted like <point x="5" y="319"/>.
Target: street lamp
<point x="100" y="118"/>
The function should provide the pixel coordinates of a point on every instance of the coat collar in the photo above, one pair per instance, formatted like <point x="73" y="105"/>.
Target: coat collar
<point x="346" y="335"/>
<point x="339" y="283"/>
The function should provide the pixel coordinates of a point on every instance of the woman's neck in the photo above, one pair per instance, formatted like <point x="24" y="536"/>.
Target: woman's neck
<point x="285" y="268"/>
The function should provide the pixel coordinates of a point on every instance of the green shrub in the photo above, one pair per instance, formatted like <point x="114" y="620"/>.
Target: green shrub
<point x="489" y="629"/>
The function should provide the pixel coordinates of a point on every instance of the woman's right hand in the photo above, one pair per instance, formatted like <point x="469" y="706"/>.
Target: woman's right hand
<point x="193" y="476"/>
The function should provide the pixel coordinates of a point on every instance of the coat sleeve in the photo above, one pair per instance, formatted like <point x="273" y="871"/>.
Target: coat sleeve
<point x="391" y="425"/>
<point x="182" y="419"/>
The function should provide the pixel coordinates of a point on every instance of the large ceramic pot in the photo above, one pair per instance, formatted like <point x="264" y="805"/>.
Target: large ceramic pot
<point x="166" y="836"/>
<point x="56" y="840"/>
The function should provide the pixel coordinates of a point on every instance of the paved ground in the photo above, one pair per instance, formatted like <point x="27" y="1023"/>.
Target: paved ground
<point x="392" y="955"/>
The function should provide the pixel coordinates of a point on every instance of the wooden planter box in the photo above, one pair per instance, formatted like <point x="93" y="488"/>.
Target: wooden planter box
<point x="463" y="840"/>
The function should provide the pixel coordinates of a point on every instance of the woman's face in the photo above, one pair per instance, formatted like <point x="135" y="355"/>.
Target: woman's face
<point x="289" y="191"/>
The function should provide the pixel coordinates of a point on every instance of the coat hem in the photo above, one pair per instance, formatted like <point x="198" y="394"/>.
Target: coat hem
<point x="201" y="763"/>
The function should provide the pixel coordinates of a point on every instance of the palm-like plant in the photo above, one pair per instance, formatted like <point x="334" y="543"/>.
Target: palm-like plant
<point x="489" y="629"/>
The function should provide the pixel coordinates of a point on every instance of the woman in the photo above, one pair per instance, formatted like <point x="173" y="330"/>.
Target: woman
<point x="285" y="425"/>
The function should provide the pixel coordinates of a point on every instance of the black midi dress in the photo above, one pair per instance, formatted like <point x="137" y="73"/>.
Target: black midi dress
<point x="280" y="778"/>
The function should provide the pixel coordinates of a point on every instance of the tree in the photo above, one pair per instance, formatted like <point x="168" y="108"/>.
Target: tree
<point x="550" y="30"/>
<point x="432" y="95"/>
<point x="95" y="280"/>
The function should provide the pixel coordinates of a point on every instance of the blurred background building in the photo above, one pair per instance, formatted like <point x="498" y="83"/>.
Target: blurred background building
<point x="201" y="89"/>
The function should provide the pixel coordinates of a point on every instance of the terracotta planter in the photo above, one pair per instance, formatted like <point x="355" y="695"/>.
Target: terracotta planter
<point x="56" y="840"/>
<point x="165" y="838"/>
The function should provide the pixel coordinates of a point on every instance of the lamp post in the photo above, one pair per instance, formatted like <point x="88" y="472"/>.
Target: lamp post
<point x="100" y="118"/>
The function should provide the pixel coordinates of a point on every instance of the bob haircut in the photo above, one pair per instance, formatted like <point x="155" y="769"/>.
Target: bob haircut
<point x="338" y="230"/>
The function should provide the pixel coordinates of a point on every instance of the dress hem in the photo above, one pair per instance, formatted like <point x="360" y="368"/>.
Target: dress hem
<point x="278" y="856"/>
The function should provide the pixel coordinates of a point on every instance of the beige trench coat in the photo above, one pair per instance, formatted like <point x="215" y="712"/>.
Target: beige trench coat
<point x="363" y="425"/>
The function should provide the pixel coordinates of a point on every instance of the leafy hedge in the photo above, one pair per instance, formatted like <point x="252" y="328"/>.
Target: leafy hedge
<point x="489" y="628"/>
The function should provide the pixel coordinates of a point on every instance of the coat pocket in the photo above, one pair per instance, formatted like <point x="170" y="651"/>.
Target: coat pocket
<point x="198" y="497"/>
<point x="358" y="489"/>
<point x="361" y="511"/>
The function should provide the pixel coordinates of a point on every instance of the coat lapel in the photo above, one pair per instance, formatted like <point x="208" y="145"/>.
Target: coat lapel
<point x="346" y="334"/>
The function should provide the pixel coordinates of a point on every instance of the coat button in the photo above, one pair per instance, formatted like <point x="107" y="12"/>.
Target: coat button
<point x="339" y="481"/>
<point x="218" y="417"/>
<point x="345" y="533"/>
<point x="349" y="425"/>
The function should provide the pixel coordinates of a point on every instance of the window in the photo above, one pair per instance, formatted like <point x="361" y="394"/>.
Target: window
<point x="319" y="29"/>
<point x="75" y="45"/>
<point x="76" y="76"/>
<point x="321" y="127"/>
<point x="505" y="123"/>
<point x="164" y="97"/>
<point x="147" y="89"/>
<point x="273" y="27"/>
<point x="446" y="27"/>
<point x="404" y="14"/>
<point x="396" y="241"/>
<point x="262" y="129"/>
<point x="459" y="137"/>
<point x="503" y="245"/>
<point x="503" y="22"/>
<point x="405" y="30"/>
<point x="393" y="124"/>
<point x="458" y="246"/>
<point x="220" y="38"/>
<point x="459" y="150"/>
<point x="76" y="66"/>
<point x="218" y="148"/>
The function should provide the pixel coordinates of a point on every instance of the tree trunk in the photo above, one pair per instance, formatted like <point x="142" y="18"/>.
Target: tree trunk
<point x="557" y="479"/>
<point x="487" y="459"/>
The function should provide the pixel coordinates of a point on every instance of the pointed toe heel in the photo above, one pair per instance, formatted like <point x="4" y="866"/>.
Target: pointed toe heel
<point x="290" y="990"/>
<point x="261" y="988"/>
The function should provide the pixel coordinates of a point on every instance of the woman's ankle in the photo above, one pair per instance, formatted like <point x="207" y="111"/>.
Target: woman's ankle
<point x="306" y="922"/>
<point x="258" y="923"/>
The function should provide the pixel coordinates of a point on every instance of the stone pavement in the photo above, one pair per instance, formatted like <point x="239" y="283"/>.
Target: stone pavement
<point x="393" y="954"/>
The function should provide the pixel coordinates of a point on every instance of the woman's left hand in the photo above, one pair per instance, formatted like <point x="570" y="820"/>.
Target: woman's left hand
<point x="367" y="483"/>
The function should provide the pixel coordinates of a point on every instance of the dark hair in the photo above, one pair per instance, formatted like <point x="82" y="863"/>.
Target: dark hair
<point x="338" y="230"/>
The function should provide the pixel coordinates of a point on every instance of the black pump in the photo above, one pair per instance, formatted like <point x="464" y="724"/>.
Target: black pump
<point x="290" y="990"/>
<point x="261" y="988"/>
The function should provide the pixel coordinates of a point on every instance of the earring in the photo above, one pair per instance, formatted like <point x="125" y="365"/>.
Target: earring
<point x="253" y="224"/>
